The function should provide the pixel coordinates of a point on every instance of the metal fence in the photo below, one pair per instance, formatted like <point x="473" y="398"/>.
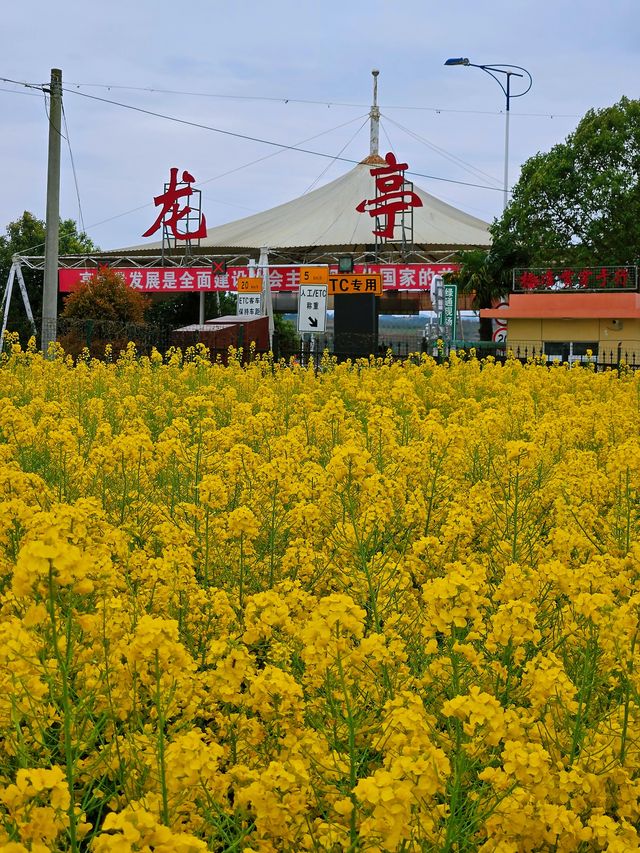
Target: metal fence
<point x="77" y="336"/>
<point x="614" y="357"/>
<point x="94" y="335"/>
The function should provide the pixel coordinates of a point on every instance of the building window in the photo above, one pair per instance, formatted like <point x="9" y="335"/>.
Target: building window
<point x="570" y="351"/>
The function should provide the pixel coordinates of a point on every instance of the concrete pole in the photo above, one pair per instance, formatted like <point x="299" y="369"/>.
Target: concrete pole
<point x="50" y="292"/>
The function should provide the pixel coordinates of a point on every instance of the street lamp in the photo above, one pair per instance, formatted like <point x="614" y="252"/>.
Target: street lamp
<point x="492" y="71"/>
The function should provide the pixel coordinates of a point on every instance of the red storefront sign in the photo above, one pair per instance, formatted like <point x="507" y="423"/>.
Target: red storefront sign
<point x="556" y="279"/>
<point x="188" y="279"/>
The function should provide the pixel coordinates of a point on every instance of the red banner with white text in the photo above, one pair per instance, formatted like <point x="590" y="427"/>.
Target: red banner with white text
<point x="199" y="279"/>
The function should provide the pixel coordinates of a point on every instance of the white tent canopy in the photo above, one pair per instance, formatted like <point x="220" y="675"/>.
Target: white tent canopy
<point x="327" y="217"/>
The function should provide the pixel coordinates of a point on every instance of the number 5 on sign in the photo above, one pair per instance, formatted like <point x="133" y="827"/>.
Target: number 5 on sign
<point x="314" y="275"/>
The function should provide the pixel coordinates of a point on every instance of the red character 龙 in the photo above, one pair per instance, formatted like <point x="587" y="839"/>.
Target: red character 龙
<point x="172" y="214"/>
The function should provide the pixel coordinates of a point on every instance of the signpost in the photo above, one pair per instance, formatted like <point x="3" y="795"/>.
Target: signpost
<point x="444" y="298"/>
<point x="437" y="296"/>
<point x="312" y="308"/>
<point x="450" y="310"/>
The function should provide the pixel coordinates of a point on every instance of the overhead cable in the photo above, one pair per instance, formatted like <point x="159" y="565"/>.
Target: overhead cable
<point x="73" y="169"/>
<point x="444" y="153"/>
<point x="322" y="103"/>
<point x="215" y="177"/>
<point x="262" y="141"/>
<point x="41" y="86"/>
<point x="341" y="151"/>
<point x="18" y="92"/>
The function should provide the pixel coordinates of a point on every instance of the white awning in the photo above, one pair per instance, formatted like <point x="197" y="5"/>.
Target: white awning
<point x="328" y="217"/>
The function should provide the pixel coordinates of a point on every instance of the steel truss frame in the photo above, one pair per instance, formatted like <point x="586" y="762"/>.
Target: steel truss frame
<point x="15" y="273"/>
<point x="97" y="259"/>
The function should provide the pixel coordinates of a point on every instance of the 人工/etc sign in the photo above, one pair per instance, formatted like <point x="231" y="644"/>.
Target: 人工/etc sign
<point x="312" y="308"/>
<point x="370" y="283"/>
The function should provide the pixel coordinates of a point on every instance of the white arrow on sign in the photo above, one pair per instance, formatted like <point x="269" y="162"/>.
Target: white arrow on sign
<point x="312" y="308"/>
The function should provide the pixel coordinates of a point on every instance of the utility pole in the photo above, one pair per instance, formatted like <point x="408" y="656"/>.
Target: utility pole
<point x="50" y="291"/>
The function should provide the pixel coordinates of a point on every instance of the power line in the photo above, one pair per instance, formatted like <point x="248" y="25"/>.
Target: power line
<point x="328" y="166"/>
<point x="386" y="133"/>
<point x="206" y="181"/>
<point x="481" y="112"/>
<point x="73" y="169"/>
<point x="45" y="91"/>
<point x="273" y="99"/>
<point x="280" y="151"/>
<point x="446" y="154"/>
<point x="323" y="103"/>
<point x="231" y="171"/>
<point x="17" y="92"/>
<point x="41" y="86"/>
<point x="249" y="138"/>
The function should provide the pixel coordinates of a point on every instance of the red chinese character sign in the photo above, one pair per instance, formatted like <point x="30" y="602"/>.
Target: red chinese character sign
<point x="568" y="279"/>
<point x="394" y="196"/>
<point x="174" y="215"/>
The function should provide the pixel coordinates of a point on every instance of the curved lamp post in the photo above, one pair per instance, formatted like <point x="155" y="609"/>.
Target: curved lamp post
<point x="493" y="71"/>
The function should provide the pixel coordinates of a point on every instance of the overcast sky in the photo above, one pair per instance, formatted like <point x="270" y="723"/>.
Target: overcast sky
<point x="292" y="72"/>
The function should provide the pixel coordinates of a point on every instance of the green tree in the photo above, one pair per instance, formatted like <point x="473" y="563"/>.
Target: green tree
<point x="288" y="340"/>
<point x="580" y="202"/>
<point x="103" y="310"/>
<point x="184" y="309"/>
<point x="26" y="236"/>
<point x="486" y="276"/>
<point x="476" y="276"/>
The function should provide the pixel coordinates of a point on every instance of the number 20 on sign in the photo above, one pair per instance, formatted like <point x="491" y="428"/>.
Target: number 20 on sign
<point x="249" y="285"/>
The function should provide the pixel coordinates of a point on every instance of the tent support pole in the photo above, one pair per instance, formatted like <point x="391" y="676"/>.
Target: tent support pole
<point x="263" y="263"/>
<point x="25" y="298"/>
<point x="6" y="301"/>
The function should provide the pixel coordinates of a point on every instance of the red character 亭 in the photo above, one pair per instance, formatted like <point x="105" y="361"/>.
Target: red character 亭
<point x="171" y="213"/>
<point x="392" y="198"/>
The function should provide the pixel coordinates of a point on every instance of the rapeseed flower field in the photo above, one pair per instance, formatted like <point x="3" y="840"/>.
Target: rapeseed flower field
<point x="382" y="606"/>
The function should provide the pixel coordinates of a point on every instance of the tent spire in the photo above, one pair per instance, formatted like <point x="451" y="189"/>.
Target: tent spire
<point x="374" y="115"/>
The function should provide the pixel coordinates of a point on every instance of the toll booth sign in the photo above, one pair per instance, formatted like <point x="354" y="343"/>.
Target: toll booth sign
<point x="364" y="283"/>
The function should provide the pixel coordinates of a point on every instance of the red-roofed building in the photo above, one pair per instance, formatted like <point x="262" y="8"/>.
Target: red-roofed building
<point x="565" y="313"/>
